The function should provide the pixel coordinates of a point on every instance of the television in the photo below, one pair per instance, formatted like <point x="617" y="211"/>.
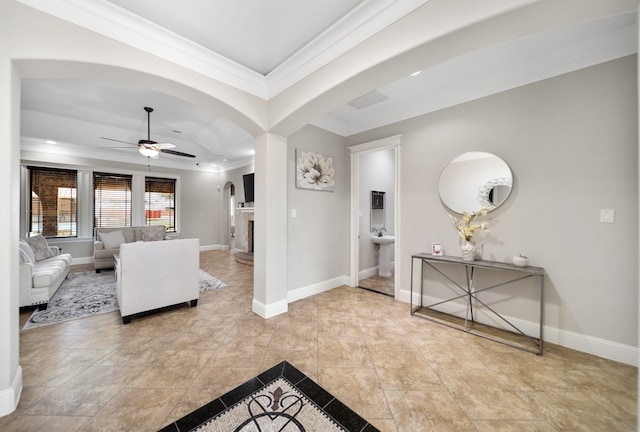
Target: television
<point x="247" y="180"/>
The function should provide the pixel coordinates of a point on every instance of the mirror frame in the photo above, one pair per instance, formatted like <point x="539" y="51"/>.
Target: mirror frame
<point x="491" y="173"/>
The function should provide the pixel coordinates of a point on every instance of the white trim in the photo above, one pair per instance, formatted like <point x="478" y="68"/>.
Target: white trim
<point x="270" y="310"/>
<point x="82" y="260"/>
<point x="380" y="144"/>
<point x="367" y="273"/>
<point x="317" y="288"/>
<point x="588" y="344"/>
<point x="367" y="19"/>
<point x="214" y="247"/>
<point x="392" y="142"/>
<point x="10" y="397"/>
<point x="354" y="244"/>
<point x="117" y="23"/>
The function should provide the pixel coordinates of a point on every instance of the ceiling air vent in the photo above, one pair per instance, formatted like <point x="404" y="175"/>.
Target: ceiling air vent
<point x="367" y="100"/>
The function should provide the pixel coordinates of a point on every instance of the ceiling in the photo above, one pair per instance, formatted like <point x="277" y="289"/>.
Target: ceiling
<point x="268" y="41"/>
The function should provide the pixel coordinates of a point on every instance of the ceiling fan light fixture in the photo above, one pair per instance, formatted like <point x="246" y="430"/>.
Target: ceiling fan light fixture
<point x="148" y="152"/>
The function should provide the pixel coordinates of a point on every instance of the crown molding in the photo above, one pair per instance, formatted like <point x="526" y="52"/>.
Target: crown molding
<point x="361" y="23"/>
<point x="112" y="21"/>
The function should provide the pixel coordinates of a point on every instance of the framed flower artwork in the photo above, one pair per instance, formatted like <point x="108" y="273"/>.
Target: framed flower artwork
<point x="314" y="171"/>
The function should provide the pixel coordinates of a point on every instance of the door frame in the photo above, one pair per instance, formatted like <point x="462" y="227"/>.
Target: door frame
<point x="392" y="142"/>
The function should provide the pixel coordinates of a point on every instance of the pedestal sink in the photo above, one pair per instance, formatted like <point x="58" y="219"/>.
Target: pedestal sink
<point x="386" y="244"/>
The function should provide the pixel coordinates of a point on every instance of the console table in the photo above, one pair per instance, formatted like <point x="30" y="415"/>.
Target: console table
<point x="469" y="293"/>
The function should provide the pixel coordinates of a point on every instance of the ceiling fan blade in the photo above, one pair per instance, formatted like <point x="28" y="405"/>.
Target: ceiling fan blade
<point x="177" y="153"/>
<point x="166" y="145"/>
<point x="116" y="140"/>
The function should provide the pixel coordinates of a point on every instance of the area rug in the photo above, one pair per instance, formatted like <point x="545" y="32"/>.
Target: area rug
<point x="282" y="399"/>
<point x="85" y="294"/>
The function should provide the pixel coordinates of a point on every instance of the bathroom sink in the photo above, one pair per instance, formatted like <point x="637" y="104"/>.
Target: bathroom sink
<point x="387" y="239"/>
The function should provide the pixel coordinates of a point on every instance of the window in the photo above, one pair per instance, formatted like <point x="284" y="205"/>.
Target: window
<point x="53" y="205"/>
<point x="160" y="202"/>
<point x="111" y="200"/>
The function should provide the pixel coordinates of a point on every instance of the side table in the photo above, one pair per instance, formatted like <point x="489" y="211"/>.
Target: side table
<point x="469" y="292"/>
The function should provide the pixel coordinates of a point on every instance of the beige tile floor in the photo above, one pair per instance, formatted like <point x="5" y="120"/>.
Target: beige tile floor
<point x="400" y="372"/>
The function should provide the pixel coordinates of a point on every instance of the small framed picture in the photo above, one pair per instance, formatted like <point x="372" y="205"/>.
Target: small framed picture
<point x="436" y="249"/>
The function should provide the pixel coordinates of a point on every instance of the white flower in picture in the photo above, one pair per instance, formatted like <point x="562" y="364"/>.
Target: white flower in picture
<point x="314" y="171"/>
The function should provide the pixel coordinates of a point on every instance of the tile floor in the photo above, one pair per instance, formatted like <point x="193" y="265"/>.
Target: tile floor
<point x="400" y="372"/>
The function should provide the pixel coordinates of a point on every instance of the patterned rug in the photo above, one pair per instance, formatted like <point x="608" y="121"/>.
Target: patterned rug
<point x="282" y="399"/>
<point x="88" y="293"/>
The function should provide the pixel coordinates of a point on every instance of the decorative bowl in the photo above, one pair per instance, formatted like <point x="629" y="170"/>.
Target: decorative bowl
<point x="520" y="261"/>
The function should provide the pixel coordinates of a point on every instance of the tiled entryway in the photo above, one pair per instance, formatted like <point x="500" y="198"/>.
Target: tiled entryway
<point x="400" y="372"/>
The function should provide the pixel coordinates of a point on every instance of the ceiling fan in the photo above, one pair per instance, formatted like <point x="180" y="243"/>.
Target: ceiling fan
<point x="150" y="148"/>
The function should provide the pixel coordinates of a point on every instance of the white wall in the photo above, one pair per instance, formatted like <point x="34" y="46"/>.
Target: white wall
<point x="571" y="142"/>
<point x="318" y="237"/>
<point x="201" y="208"/>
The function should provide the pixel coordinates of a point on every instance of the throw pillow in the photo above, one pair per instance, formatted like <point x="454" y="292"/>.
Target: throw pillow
<point x="40" y="247"/>
<point x="112" y="239"/>
<point x="153" y="234"/>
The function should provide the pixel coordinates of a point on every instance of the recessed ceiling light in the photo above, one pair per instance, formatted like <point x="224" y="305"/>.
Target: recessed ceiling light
<point x="416" y="73"/>
<point x="50" y="142"/>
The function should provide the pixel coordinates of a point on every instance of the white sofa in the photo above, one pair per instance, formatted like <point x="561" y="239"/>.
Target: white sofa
<point x="154" y="274"/>
<point x="41" y="277"/>
<point x="107" y="242"/>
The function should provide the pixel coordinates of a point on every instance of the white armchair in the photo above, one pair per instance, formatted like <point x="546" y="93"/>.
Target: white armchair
<point x="154" y="274"/>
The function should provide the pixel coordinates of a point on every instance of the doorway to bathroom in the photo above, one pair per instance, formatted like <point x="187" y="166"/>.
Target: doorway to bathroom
<point x="374" y="210"/>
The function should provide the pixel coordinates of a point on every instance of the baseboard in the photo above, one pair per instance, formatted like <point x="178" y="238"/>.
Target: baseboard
<point x="82" y="260"/>
<point x="9" y="397"/>
<point x="317" y="288"/>
<point x="367" y="273"/>
<point x="214" y="247"/>
<point x="270" y="310"/>
<point x="622" y="353"/>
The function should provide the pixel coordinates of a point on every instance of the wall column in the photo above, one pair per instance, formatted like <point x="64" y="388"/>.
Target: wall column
<point x="270" y="226"/>
<point x="10" y="371"/>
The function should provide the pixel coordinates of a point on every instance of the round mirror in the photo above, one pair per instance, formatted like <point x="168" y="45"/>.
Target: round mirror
<point x="475" y="180"/>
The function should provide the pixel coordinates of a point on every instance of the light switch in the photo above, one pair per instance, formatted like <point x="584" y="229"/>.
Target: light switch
<point x="293" y="213"/>
<point x="607" y="215"/>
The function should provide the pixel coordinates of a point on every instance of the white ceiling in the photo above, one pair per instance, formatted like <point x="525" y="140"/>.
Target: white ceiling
<point x="269" y="45"/>
<point x="257" y="34"/>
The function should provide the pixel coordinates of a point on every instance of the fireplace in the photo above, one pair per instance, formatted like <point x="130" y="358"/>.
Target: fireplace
<point x="250" y="236"/>
<point x="245" y="235"/>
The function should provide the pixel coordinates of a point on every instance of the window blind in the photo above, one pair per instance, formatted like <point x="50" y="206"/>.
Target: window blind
<point x="160" y="202"/>
<point x="111" y="200"/>
<point x="53" y="204"/>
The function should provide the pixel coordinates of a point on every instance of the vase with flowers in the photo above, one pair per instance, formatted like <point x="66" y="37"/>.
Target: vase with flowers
<point x="467" y="228"/>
